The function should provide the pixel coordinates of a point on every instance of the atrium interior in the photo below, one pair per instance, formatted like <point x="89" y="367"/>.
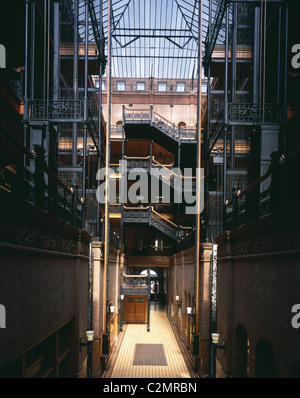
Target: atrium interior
<point x="149" y="185"/>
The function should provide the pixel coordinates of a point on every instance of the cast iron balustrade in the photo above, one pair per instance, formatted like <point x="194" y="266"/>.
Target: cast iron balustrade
<point x="41" y="187"/>
<point x="137" y="116"/>
<point x="148" y="116"/>
<point x="250" y="113"/>
<point x="254" y="202"/>
<point x="56" y="110"/>
<point x="135" y="284"/>
<point x="150" y="216"/>
<point x="135" y="281"/>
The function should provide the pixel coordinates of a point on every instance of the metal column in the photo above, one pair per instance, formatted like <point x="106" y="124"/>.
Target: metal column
<point x="198" y="162"/>
<point x="107" y="160"/>
<point x="85" y="112"/>
<point x="75" y="88"/>
<point x="225" y="116"/>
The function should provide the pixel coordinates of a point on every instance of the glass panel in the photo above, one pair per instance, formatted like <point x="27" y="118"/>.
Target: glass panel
<point x="130" y="299"/>
<point x="140" y="299"/>
<point x="180" y="87"/>
<point x="140" y="86"/>
<point x="121" y="86"/>
<point x="162" y="86"/>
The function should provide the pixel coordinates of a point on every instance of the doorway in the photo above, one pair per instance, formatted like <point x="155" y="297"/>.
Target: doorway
<point x="135" y="309"/>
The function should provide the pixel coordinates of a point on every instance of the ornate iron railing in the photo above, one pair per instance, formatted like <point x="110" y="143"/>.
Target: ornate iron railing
<point x="256" y="201"/>
<point x="170" y="129"/>
<point x="56" y="109"/>
<point x="137" y="115"/>
<point x="135" y="281"/>
<point x="41" y="187"/>
<point x="254" y="113"/>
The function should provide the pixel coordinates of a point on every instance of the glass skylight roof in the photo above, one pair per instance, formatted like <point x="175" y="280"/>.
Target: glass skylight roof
<point x="153" y="38"/>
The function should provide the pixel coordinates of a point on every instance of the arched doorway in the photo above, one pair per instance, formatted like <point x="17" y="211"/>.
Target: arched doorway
<point x="265" y="363"/>
<point x="155" y="285"/>
<point x="242" y="351"/>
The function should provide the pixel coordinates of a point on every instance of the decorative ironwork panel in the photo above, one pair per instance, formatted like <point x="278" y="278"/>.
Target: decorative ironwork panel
<point x="56" y="109"/>
<point x="254" y="113"/>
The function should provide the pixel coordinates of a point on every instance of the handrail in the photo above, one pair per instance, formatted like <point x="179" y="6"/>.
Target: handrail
<point x="135" y="110"/>
<point x="172" y="172"/>
<point x="160" y="247"/>
<point x="136" y="157"/>
<point x="32" y="154"/>
<point x="136" y="208"/>
<point x="164" y="218"/>
<point x="164" y="119"/>
<point x="62" y="184"/>
<point x="283" y="159"/>
<point x="164" y="167"/>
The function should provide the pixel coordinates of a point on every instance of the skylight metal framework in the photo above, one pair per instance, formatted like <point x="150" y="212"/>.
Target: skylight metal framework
<point x="150" y="38"/>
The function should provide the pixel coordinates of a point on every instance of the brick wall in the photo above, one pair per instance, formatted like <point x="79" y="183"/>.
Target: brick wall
<point x="44" y="278"/>
<point x="181" y="277"/>
<point x="116" y="262"/>
<point x="258" y="283"/>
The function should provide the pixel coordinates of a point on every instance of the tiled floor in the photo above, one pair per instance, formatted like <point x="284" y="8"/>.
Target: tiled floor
<point x="161" y="332"/>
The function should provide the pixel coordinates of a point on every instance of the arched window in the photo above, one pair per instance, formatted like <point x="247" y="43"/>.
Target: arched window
<point x="181" y="124"/>
<point x="265" y="363"/>
<point x="242" y="350"/>
<point x="152" y="273"/>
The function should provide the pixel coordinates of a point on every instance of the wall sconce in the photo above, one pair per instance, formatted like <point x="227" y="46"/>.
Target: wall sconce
<point x="179" y="301"/>
<point x="215" y="340"/>
<point x="89" y="338"/>
<point x="111" y="309"/>
<point x="88" y="344"/>
<point x="122" y="297"/>
<point x="189" y="311"/>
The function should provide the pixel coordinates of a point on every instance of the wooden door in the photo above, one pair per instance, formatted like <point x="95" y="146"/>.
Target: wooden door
<point x="140" y="309"/>
<point x="135" y="311"/>
<point x="130" y="309"/>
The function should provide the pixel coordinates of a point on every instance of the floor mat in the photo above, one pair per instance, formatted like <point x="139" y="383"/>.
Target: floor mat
<point x="149" y="355"/>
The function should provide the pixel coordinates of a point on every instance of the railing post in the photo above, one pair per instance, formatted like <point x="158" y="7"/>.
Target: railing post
<point x="151" y="115"/>
<point x="276" y="182"/>
<point x="74" y="206"/>
<point x="39" y="179"/>
<point x="235" y="207"/>
<point x="123" y="115"/>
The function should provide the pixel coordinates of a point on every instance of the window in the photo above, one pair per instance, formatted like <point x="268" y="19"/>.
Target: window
<point x="162" y="86"/>
<point x="140" y="86"/>
<point x="180" y="88"/>
<point x="158" y="244"/>
<point x="204" y="87"/>
<point x="103" y="85"/>
<point x="121" y="86"/>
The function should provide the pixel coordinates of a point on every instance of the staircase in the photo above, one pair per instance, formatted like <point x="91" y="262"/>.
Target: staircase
<point x="147" y="215"/>
<point x="176" y="181"/>
<point x="160" y="127"/>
